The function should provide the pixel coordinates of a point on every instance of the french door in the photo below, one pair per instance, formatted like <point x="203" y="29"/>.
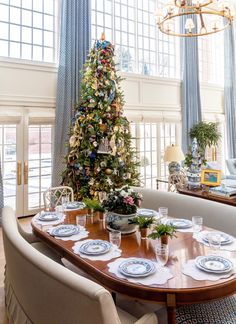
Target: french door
<point x="26" y="152"/>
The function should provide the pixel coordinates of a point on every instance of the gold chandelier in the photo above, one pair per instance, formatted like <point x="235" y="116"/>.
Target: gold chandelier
<point x="211" y="16"/>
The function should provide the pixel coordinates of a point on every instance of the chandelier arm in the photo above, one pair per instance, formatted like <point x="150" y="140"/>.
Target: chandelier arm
<point x="202" y="20"/>
<point x="194" y="35"/>
<point x="197" y="12"/>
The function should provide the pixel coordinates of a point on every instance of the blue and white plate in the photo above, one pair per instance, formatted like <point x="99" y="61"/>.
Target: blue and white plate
<point x="65" y="230"/>
<point x="147" y="212"/>
<point x="74" y="205"/>
<point x="214" y="264"/>
<point x="137" y="267"/>
<point x="225" y="238"/>
<point x="180" y="223"/>
<point x="95" y="247"/>
<point x="48" y="216"/>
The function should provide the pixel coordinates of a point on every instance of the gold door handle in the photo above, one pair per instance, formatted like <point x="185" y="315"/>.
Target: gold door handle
<point x="19" y="173"/>
<point x="26" y="173"/>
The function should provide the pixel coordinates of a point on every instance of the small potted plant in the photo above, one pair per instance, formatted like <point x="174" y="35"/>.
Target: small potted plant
<point x="143" y="223"/>
<point x="163" y="231"/>
<point x="95" y="207"/>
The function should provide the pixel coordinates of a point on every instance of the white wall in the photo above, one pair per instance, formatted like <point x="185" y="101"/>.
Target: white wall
<point x="27" y="85"/>
<point x="34" y="85"/>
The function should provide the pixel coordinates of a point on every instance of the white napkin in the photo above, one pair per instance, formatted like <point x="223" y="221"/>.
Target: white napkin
<point x="114" y="252"/>
<point x="185" y="230"/>
<point x="160" y="277"/>
<point x="76" y="237"/>
<point x="227" y="247"/>
<point x="46" y="223"/>
<point x="190" y="269"/>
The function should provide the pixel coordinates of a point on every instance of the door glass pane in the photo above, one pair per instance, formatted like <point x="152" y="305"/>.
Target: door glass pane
<point x="8" y="163"/>
<point x="39" y="159"/>
<point x="33" y="200"/>
<point x="150" y="149"/>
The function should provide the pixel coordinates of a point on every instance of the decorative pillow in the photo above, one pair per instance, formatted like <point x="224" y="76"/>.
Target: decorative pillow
<point x="222" y="311"/>
<point x="231" y="165"/>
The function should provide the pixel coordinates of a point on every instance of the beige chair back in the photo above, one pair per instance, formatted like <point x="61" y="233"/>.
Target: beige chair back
<point x="40" y="291"/>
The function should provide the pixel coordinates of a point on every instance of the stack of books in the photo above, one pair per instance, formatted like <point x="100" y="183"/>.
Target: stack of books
<point x="223" y="191"/>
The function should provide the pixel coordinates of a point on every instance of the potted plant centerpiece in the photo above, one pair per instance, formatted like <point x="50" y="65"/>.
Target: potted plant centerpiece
<point x="163" y="231"/>
<point x="121" y="205"/>
<point x="143" y="222"/>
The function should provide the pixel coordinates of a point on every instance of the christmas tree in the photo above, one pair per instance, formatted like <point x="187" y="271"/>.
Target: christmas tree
<point x="100" y="156"/>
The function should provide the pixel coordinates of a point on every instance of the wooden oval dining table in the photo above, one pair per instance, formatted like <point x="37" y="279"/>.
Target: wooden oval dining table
<point x="179" y="290"/>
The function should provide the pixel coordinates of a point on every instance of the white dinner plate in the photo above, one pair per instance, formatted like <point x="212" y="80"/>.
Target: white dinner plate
<point x="74" y="205"/>
<point x="48" y="216"/>
<point x="180" y="223"/>
<point x="147" y="212"/>
<point x="225" y="238"/>
<point x="95" y="247"/>
<point x="214" y="264"/>
<point x="137" y="267"/>
<point x="65" y="230"/>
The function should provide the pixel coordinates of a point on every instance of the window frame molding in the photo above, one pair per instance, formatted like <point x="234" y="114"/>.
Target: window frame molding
<point x="22" y="64"/>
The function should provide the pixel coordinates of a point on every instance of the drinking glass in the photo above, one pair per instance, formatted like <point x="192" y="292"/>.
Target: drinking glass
<point x="65" y="200"/>
<point x="81" y="220"/>
<point x="115" y="238"/>
<point x="162" y="254"/>
<point x="163" y="213"/>
<point x="214" y="240"/>
<point x="60" y="210"/>
<point x="197" y="222"/>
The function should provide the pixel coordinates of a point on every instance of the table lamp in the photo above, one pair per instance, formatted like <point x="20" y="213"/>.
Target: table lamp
<point x="173" y="154"/>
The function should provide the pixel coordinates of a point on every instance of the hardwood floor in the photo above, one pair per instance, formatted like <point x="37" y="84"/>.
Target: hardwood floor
<point x="25" y="222"/>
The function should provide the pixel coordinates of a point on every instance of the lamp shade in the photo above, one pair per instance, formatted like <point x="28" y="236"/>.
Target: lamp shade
<point x="173" y="153"/>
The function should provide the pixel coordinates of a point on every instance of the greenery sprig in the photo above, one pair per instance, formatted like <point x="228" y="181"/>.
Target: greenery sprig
<point x="93" y="204"/>
<point x="142" y="221"/>
<point x="163" y="229"/>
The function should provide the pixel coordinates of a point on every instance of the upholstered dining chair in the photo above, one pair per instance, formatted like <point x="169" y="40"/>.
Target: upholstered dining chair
<point x="53" y="196"/>
<point x="41" y="291"/>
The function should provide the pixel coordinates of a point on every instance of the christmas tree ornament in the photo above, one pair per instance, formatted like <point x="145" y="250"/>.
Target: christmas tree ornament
<point x="104" y="146"/>
<point x="73" y="141"/>
<point x="103" y="127"/>
<point x="108" y="171"/>
<point x="102" y="195"/>
<point x="103" y="164"/>
<point x="113" y="144"/>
